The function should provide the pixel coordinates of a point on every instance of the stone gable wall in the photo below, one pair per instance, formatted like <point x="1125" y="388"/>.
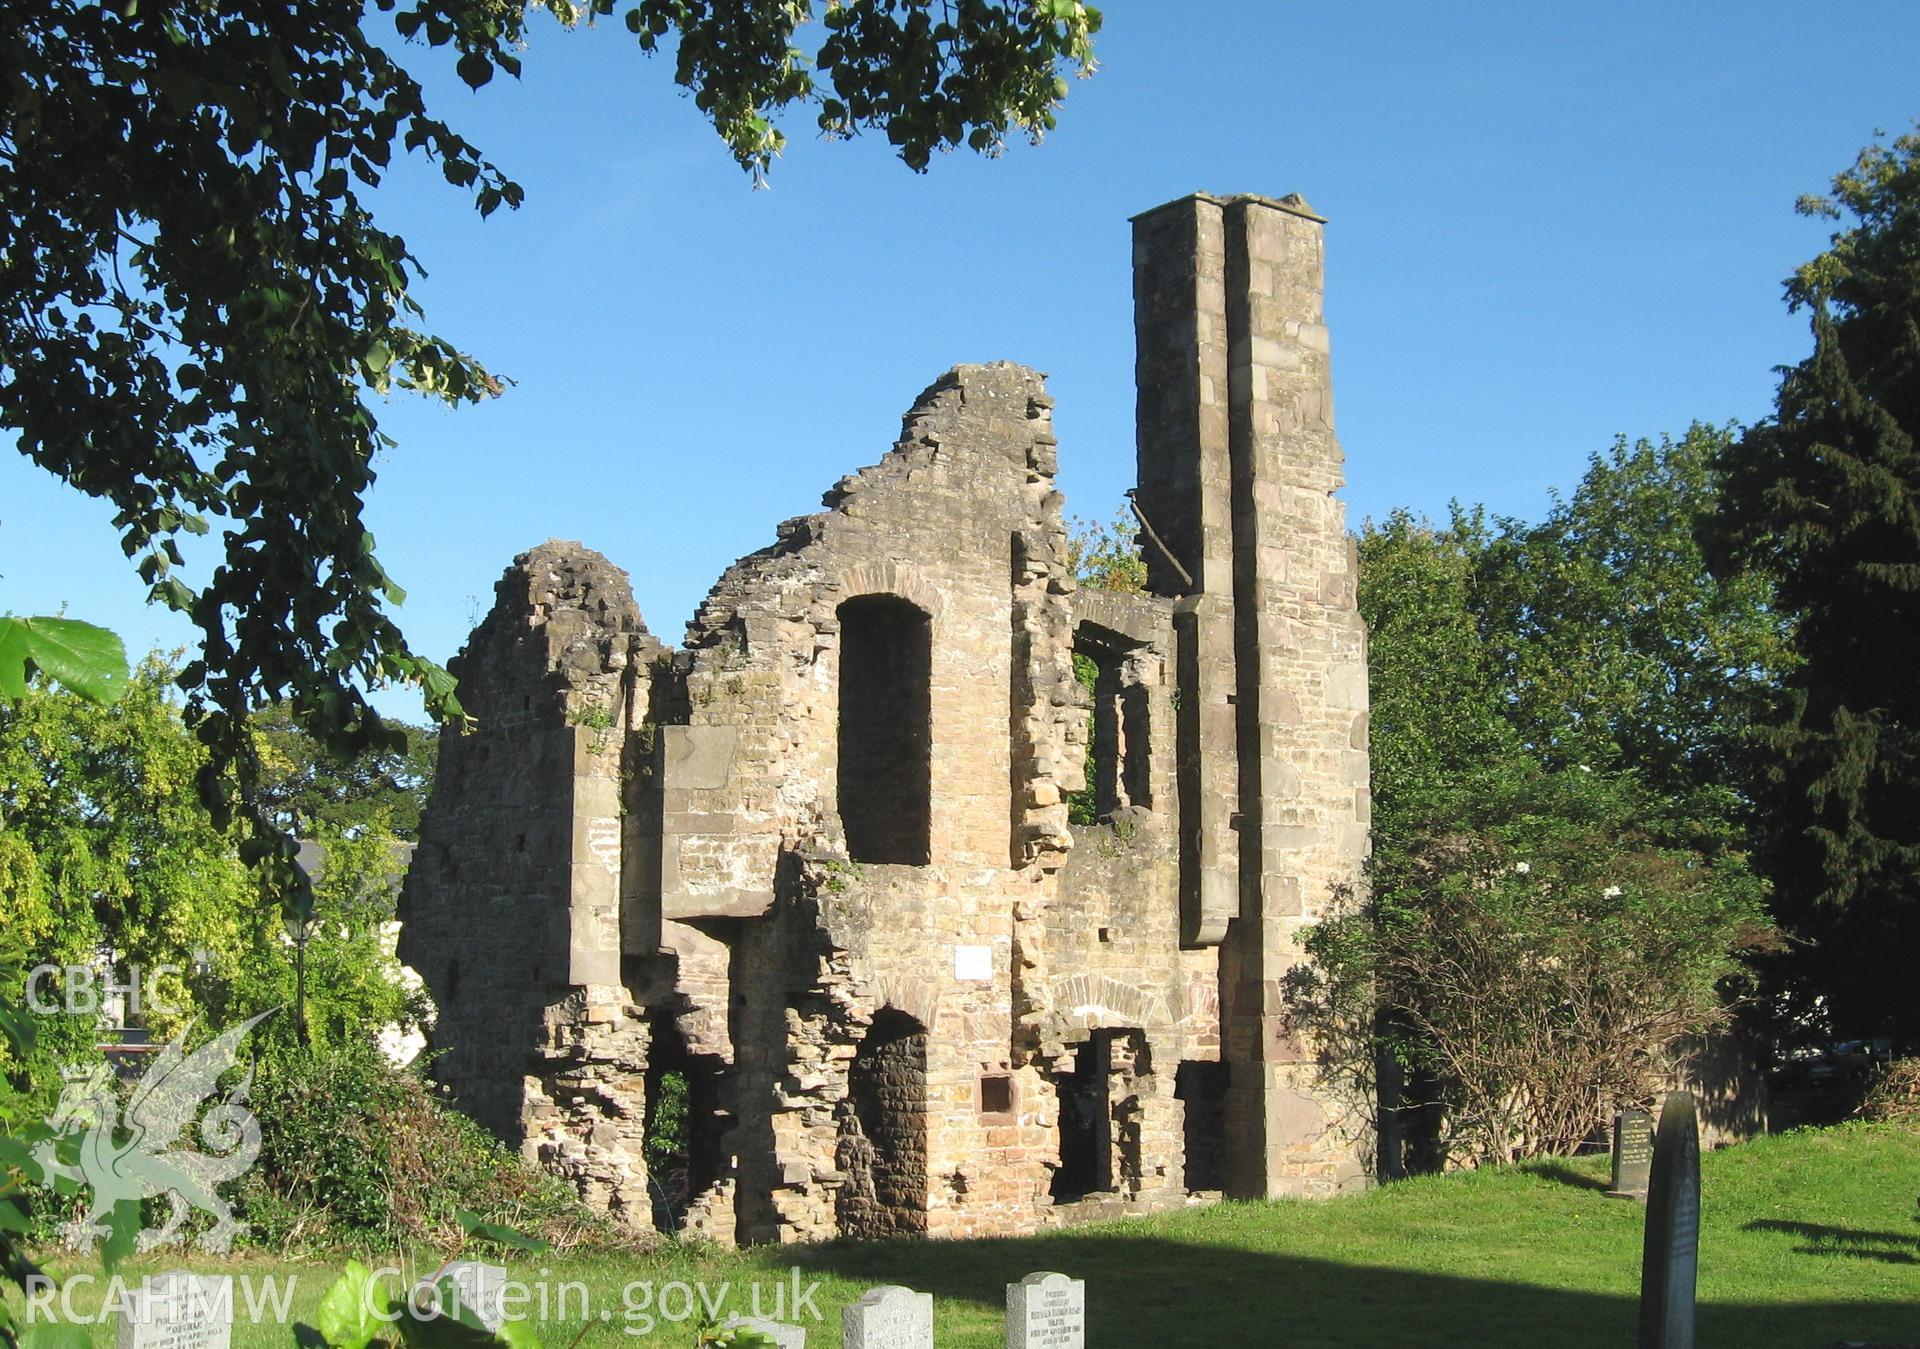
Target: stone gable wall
<point x="511" y="908"/>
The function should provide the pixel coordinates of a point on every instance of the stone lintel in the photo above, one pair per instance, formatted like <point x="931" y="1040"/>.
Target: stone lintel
<point x="680" y="908"/>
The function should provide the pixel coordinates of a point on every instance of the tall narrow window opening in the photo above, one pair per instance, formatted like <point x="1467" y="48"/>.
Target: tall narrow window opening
<point x="684" y="1124"/>
<point x="1102" y="1115"/>
<point x="1116" y="766"/>
<point x="886" y="730"/>
<point x="1086" y="1132"/>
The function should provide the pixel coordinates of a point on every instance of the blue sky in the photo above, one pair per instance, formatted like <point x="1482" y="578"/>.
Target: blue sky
<point x="1550" y="224"/>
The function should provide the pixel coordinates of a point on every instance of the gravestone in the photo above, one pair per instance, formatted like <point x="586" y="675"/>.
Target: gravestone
<point x="178" y="1310"/>
<point x="1047" y="1311"/>
<point x="1632" y="1154"/>
<point x="478" y="1287"/>
<point x="889" y="1317"/>
<point x="785" y="1336"/>
<point x="1669" y="1259"/>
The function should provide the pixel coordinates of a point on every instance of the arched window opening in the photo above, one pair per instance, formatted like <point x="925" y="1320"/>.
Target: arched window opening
<point x="886" y="729"/>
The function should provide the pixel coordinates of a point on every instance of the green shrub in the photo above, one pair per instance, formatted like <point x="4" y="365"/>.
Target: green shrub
<point x="1531" y="946"/>
<point x="667" y="1129"/>
<point x="356" y="1153"/>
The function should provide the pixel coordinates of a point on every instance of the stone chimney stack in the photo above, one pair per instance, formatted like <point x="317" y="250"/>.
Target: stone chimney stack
<point x="1238" y="463"/>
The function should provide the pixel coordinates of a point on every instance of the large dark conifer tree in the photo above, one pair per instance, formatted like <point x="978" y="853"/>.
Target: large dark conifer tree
<point x="1826" y="496"/>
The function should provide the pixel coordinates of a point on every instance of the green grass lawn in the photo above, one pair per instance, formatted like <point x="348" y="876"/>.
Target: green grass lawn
<point x="1808" y="1239"/>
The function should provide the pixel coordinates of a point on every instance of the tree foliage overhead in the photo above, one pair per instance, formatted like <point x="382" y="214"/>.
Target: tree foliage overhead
<point x="79" y="656"/>
<point x="304" y="788"/>
<point x="1824" y="498"/>
<point x="196" y="296"/>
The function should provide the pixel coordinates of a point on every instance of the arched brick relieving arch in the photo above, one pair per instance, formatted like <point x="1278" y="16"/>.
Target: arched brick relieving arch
<point x="1101" y="1002"/>
<point x="918" y="998"/>
<point x="890" y="578"/>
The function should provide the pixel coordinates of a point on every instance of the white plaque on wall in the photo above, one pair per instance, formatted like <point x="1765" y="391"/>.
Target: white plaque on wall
<point x="973" y="962"/>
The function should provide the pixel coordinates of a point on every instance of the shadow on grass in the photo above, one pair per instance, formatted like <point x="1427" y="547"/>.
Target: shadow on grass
<point x="1895" y="1248"/>
<point x="1151" y="1291"/>
<point x="1566" y="1175"/>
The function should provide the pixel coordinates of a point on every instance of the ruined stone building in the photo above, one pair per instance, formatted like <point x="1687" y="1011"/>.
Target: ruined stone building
<point x="818" y="862"/>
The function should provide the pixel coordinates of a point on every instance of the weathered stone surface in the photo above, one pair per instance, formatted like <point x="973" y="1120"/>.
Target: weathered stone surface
<point x="889" y="1317"/>
<point x="1238" y="463"/>
<point x="177" y="1310"/>
<point x="511" y="910"/>
<point x="468" y="1286"/>
<point x="1047" y="1311"/>
<point x="1632" y="1154"/>
<point x="819" y="860"/>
